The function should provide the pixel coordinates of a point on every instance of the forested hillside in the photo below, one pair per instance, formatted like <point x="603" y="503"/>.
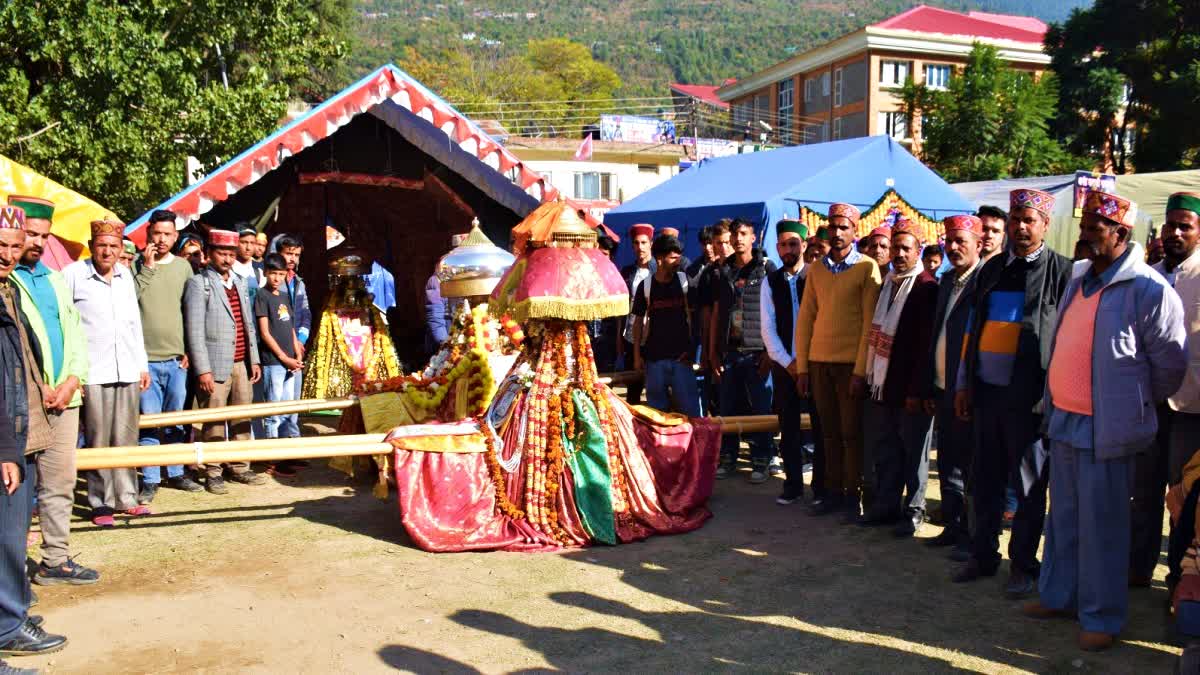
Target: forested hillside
<point x="647" y="42"/>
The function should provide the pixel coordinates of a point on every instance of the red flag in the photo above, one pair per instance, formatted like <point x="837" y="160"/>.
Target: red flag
<point x="584" y="153"/>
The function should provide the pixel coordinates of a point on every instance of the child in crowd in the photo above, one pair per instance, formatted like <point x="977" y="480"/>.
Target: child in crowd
<point x="279" y="348"/>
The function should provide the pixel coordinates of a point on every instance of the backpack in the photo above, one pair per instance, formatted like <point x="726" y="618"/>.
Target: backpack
<point x="687" y="310"/>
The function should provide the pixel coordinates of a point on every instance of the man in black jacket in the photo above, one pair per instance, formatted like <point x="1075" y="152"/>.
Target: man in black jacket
<point x="1000" y="385"/>
<point x="21" y="431"/>
<point x="956" y="293"/>
<point x="740" y="362"/>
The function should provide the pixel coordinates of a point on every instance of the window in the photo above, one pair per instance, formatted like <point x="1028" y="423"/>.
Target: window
<point x="837" y="128"/>
<point x="894" y="124"/>
<point x="809" y="86"/>
<point x="837" y="88"/>
<point x="824" y="132"/>
<point x="893" y="73"/>
<point x="825" y="84"/>
<point x="937" y="77"/>
<point x="742" y="112"/>
<point x="784" y="120"/>
<point x="648" y="168"/>
<point x="593" y="185"/>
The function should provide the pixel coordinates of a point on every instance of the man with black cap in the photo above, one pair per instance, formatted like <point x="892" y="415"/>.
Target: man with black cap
<point x="23" y="426"/>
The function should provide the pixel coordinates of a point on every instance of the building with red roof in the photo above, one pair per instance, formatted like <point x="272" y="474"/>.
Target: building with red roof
<point x="848" y="88"/>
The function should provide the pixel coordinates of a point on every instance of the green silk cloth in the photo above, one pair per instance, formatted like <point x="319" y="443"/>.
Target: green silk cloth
<point x="587" y="456"/>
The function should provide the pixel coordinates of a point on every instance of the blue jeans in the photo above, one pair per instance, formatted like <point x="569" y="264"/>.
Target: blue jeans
<point x="168" y="388"/>
<point x="15" y="511"/>
<point x="671" y="385"/>
<point x="280" y="385"/>
<point x="743" y="392"/>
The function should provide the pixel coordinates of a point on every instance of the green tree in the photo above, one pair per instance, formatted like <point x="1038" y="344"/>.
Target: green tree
<point x="554" y="86"/>
<point x="1130" y="83"/>
<point x="990" y="122"/>
<point x="110" y="98"/>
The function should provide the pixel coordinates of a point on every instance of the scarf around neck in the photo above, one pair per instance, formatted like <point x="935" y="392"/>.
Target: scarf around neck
<point x="884" y="324"/>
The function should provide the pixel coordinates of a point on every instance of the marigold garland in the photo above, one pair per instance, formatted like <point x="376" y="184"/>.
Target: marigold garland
<point x="503" y="503"/>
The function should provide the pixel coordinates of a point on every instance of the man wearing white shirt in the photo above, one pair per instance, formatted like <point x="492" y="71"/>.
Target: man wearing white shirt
<point x="779" y="306"/>
<point x="106" y="297"/>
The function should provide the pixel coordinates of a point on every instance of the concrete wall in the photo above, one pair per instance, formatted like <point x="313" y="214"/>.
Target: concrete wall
<point x="631" y="180"/>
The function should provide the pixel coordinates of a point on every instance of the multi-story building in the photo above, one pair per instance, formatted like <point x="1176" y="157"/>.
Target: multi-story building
<point x="848" y="87"/>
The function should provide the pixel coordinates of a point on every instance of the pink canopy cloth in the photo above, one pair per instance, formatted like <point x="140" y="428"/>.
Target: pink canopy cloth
<point x="575" y="284"/>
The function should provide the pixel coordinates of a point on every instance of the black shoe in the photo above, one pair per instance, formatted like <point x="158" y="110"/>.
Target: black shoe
<point x="6" y="669"/>
<point x="971" y="572"/>
<point x="947" y="537"/>
<point x="184" y="483"/>
<point x="878" y="517"/>
<point x="1020" y="585"/>
<point x="788" y="497"/>
<point x="35" y="619"/>
<point x="248" y="477"/>
<point x="959" y="554"/>
<point x="909" y="525"/>
<point x="31" y="640"/>
<point x="69" y="572"/>
<point x="146" y="495"/>
<point x="826" y="506"/>
<point x="216" y="486"/>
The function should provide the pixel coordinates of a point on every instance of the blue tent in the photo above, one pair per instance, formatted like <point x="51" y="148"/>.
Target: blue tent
<point x="764" y="187"/>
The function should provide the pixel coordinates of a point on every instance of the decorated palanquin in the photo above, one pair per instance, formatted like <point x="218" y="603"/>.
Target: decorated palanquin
<point x="353" y="343"/>
<point x="460" y="379"/>
<point x="885" y="212"/>
<point x="557" y="459"/>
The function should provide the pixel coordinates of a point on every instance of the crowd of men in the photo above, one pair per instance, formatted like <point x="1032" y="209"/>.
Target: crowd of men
<point x="1034" y="373"/>
<point x="88" y="350"/>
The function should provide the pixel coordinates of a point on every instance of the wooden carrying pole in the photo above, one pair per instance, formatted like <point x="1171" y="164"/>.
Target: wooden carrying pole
<point x="238" y="412"/>
<point x="271" y="449"/>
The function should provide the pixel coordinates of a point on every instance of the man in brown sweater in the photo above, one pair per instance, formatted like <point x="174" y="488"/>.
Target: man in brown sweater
<point x="831" y="355"/>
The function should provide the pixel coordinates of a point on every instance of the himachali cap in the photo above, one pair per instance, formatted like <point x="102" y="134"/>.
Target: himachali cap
<point x="35" y="207"/>
<point x="794" y="226"/>
<point x="222" y="239"/>
<point x="108" y="227"/>
<point x="963" y="223"/>
<point x="641" y="228"/>
<point x="847" y="210"/>
<point x="261" y="236"/>
<point x="881" y="231"/>
<point x="130" y="247"/>
<point x="1187" y="201"/>
<point x="1110" y="207"/>
<point x="12" y="218"/>
<point x="1042" y="202"/>
<point x="905" y="226"/>
<point x="822" y="233"/>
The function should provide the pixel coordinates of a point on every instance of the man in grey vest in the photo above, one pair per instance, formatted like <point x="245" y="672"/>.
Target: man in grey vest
<point x="739" y="357"/>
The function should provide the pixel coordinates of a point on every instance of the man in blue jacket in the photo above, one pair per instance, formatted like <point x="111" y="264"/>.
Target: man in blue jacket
<point x="1117" y="351"/>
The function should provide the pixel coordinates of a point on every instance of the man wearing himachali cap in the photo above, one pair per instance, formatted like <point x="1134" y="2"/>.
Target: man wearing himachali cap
<point x="956" y="295"/>
<point x="24" y="429"/>
<point x="222" y="345"/>
<point x="999" y="388"/>
<point x="105" y="295"/>
<point x="831" y="356"/>
<point x="49" y="310"/>
<point x="1117" y="351"/>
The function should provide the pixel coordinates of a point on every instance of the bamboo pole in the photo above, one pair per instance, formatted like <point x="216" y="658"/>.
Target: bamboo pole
<point x="235" y="412"/>
<point x="270" y="449"/>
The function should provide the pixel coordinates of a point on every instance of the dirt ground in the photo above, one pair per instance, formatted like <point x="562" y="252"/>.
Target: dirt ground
<point x="314" y="575"/>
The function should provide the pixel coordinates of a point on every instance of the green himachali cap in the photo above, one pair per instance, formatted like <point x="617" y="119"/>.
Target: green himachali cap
<point x="34" y="207"/>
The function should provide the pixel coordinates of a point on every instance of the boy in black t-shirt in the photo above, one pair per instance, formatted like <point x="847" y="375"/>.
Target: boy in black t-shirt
<point x="661" y="328"/>
<point x="278" y="347"/>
